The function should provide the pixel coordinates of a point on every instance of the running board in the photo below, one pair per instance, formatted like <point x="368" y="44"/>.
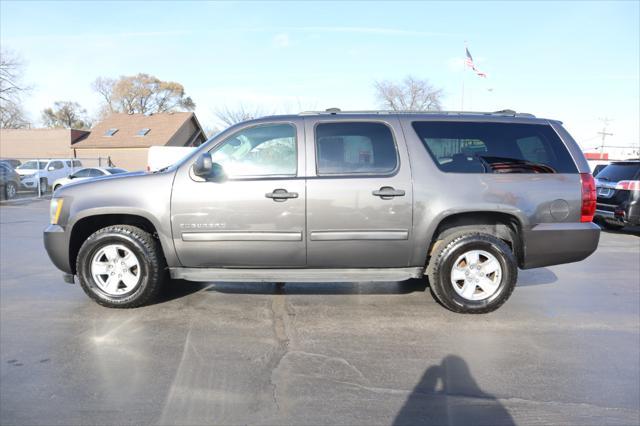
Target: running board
<point x="296" y="275"/>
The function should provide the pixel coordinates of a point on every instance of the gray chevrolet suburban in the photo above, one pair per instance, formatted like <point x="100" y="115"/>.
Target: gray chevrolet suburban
<point x="464" y="199"/>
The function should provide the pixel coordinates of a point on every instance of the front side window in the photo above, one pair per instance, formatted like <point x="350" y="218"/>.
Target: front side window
<point x="95" y="173"/>
<point x="82" y="173"/>
<point x="470" y="147"/>
<point x="355" y="148"/>
<point x="57" y="165"/>
<point x="267" y="150"/>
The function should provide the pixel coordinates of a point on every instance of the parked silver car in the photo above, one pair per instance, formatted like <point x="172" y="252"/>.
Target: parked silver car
<point x="463" y="198"/>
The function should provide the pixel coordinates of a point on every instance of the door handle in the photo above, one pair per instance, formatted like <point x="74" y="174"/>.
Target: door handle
<point x="388" y="192"/>
<point x="281" y="194"/>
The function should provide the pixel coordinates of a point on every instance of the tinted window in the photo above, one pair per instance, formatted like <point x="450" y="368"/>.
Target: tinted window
<point x="82" y="173"/>
<point x="57" y="165"/>
<point x="460" y="147"/>
<point x="619" y="171"/>
<point x="95" y="173"/>
<point x="33" y="165"/>
<point x="268" y="150"/>
<point x="345" y="148"/>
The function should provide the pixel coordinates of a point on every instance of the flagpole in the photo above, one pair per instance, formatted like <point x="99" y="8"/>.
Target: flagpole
<point x="464" y="68"/>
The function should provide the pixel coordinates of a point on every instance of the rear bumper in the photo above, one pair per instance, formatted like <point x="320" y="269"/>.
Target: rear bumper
<point x="555" y="243"/>
<point x="57" y="246"/>
<point x="627" y="213"/>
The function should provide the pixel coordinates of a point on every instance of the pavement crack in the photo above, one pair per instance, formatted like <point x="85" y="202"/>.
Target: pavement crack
<point x="279" y="315"/>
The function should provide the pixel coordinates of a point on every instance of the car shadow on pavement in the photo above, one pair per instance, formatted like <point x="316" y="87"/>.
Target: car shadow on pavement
<point x="176" y="289"/>
<point x="447" y="394"/>
<point x="537" y="276"/>
<point x="346" y="288"/>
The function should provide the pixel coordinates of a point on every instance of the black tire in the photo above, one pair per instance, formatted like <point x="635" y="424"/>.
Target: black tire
<point x="148" y="252"/>
<point x="441" y="264"/>
<point x="10" y="190"/>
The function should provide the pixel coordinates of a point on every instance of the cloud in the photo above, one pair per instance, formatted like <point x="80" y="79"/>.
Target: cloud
<point x="281" y="40"/>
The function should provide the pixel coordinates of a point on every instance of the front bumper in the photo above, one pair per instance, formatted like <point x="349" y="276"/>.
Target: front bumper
<point x="57" y="245"/>
<point x="555" y="243"/>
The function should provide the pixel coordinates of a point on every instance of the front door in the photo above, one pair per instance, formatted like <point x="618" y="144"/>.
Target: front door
<point x="359" y="197"/>
<point x="255" y="216"/>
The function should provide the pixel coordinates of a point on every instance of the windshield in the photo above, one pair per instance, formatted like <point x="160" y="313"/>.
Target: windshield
<point x="32" y="165"/>
<point x="619" y="171"/>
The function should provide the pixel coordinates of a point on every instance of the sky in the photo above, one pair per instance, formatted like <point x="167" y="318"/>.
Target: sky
<point x="578" y="62"/>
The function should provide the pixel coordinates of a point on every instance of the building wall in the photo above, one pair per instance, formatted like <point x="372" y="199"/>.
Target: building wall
<point x="183" y="135"/>
<point x="35" y="143"/>
<point x="131" y="159"/>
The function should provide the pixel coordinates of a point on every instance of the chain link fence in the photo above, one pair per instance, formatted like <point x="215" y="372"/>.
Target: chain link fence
<point x="25" y="178"/>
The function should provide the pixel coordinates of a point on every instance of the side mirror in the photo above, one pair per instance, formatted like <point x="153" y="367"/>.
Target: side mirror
<point x="71" y="176"/>
<point x="51" y="168"/>
<point x="203" y="165"/>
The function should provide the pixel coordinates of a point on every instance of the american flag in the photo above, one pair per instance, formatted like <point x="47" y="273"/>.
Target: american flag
<point x="469" y="62"/>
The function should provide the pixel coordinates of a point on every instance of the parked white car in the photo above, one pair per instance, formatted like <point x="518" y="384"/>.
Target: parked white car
<point x="160" y="157"/>
<point x="87" y="173"/>
<point x="45" y="171"/>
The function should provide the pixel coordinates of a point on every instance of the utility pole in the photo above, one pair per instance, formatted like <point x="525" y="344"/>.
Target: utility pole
<point x="605" y="122"/>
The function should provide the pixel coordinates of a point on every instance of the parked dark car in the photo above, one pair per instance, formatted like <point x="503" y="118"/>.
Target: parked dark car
<point x="9" y="181"/>
<point x="12" y="162"/>
<point x="618" y="189"/>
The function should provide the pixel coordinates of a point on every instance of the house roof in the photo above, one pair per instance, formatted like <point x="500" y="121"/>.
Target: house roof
<point x="162" y="128"/>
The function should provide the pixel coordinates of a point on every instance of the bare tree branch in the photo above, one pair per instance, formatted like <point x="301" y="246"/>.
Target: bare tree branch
<point x="12" y="114"/>
<point x="411" y="94"/>
<point x="230" y="116"/>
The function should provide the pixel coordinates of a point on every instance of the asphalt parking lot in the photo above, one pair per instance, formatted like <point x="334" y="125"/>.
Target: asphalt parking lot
<point x="565" y="349"/>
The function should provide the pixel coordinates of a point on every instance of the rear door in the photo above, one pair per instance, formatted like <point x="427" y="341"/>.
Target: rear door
<point x="359" y="194"/>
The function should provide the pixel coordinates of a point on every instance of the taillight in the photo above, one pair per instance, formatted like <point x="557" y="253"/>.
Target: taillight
<point x="629" y="185"/>
<point x="588" y="208"/>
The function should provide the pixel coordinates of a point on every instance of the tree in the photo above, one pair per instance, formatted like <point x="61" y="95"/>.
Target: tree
<point x="11" y="90"/>
<point x="67" y="115"/>
<point x="410" y="94"/>
<point x="142" y="94"/>
<point x="230" y="116"/>
<point x="12" y="116"/>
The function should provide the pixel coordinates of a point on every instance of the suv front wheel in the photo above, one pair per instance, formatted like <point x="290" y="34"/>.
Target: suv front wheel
<point x="120" y="266"/>
<point x="472" y="272"/>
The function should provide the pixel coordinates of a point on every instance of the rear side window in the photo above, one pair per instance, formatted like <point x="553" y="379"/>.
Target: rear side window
<point x="462" y="147"/>
<point x="620" y="171"/>
<point x="355" y="148"/>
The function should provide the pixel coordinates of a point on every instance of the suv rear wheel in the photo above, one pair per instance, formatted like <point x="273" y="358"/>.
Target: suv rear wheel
<point x="472" y="272"/>
<point x="120" y="266"/>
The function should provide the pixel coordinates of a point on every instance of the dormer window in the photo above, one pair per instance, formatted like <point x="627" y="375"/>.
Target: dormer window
<point x="142" y="132"/>
<point x="110" y="132"/>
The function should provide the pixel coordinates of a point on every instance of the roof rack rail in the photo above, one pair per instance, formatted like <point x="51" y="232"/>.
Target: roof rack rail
<point x="504" y="112"/>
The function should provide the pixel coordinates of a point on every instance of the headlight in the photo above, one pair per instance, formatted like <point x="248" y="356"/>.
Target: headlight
<point x="54" y="210"/>
<point x="27" y="176"/>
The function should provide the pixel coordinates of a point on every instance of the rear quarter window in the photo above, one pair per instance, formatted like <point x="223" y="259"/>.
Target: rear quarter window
<point x="468" y="147"/>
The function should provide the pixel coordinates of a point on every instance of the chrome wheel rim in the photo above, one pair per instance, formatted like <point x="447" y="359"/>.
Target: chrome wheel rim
<point x="11" y="191"/>
<point x="115" y="269"/>
<point x="476" y="275"/>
